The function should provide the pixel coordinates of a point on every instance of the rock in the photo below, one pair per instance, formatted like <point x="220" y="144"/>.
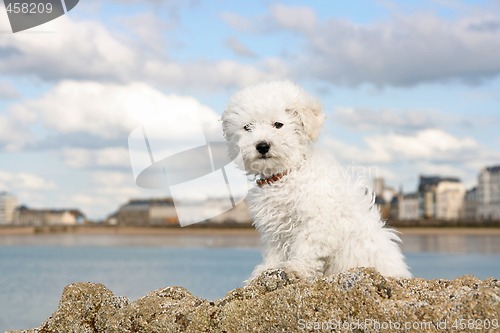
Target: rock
<point x="360" y="300"/>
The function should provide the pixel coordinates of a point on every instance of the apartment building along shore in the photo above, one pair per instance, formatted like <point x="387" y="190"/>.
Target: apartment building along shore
<point x="445" y="200"/>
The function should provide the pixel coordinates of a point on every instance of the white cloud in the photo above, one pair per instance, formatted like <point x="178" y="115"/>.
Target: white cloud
<point x="400" y="158"/>
<point x="299" y="18"/>
<point x="367" y="119"/>
<point x="97" y="205"/>
<point x="109" y="190"/>
<point x="147" y="30"/>
<point x="105" y="191"/>
<point x="294" y="18"/>
<point x="237" y="22"/>
<point x="86" y="107"/>
<point x="428" y="144"/>
<point x="352" y="153"/>
<point x="115" y="184"/>
<point x="399" y="51"/>
<point x="172" y="4"/>
<point x="13" y="134"/>
<point x="427" y="168"/>
<point x="239" y="48"/>
<point x="432" y="144"/>
<point x="83" y="49"/>
<point x="215" y="75"/>
<point x="88" y="50"/>
<point x="87" y="158"/>
<point x="110" y="112"/>
<point x="25" y="181"/>
<point x="85" y="135"/>
<point x="84" y="200"/>
<point x="8" y="91"/>
<point x="404" y="51"/>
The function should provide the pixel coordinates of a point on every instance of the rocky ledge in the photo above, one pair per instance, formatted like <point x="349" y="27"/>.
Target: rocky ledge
<point x="360" y="300"/>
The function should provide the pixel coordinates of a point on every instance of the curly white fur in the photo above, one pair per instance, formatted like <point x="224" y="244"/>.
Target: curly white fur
<point x="317" y="219"/>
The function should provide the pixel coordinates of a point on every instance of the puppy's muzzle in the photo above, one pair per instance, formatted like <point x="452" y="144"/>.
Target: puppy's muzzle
<point x="263" y="147"/>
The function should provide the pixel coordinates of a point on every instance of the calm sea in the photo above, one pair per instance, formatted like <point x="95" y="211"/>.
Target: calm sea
<point x="35" y="269"/>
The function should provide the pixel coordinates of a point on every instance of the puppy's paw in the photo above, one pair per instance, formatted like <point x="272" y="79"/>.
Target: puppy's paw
<point x="273" y="279"/>
<point x="299" y="270"/>
<point x="292" y="274"/>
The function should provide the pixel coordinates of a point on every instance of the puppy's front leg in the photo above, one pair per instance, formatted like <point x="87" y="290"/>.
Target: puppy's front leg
<point x="308" y="257"/>
<point x="272" y="258"/>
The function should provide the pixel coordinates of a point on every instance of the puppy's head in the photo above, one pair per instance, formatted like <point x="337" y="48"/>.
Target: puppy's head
<point x="272" y="125"/>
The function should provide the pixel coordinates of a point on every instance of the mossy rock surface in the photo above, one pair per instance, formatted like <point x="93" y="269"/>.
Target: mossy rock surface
<point x="360" y="300"/>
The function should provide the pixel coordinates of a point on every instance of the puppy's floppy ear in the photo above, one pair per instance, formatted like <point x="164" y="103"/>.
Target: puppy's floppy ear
<point x="311" y="116"/>
<point x="228" y="126"/>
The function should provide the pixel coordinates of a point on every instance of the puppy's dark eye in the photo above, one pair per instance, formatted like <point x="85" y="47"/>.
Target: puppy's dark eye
<point x="278" y="125"/>
<point x="247" y="127"/>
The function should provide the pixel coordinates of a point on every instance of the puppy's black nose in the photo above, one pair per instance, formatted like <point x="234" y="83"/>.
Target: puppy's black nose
<point x="262" y="147"/>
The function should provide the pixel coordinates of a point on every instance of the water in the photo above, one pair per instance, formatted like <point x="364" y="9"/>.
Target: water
<point x="35" y="269"/>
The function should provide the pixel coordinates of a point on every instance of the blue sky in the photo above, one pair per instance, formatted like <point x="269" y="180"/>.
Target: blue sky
<point x="409" y="87"/>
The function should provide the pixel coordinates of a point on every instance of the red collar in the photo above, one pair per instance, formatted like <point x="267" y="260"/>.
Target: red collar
<point x="274" y="178"/>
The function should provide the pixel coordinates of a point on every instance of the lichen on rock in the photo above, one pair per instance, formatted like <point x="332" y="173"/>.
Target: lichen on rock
<point x="359" y="300"/>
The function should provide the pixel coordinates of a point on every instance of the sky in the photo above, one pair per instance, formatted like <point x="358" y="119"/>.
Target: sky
<point x="408" y="87"/>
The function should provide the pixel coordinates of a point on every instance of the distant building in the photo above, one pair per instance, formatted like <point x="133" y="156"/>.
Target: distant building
<point x="383" y="197"/>
<point x="378" y="186"/>
<point x="382" y="191"/>
<point x="161" y="212"/>
<point x="469" y="209"/>
<point x="145" y="212"/>
<point x="25" y="216"/>
<point x="449" y="199"/>
<point x="488" y="193"/>
<point x="8" y="204"/>
<point x="407" y="207"/>
<point x="440" y="197"/>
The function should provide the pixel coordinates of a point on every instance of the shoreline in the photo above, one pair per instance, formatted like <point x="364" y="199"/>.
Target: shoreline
<point x="425" y="231"/>
<point x="128" y="231"/>
<point x="215" y="231"/>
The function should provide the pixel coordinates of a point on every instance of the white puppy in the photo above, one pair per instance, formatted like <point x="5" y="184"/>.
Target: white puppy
<point x="314" y="218"/>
